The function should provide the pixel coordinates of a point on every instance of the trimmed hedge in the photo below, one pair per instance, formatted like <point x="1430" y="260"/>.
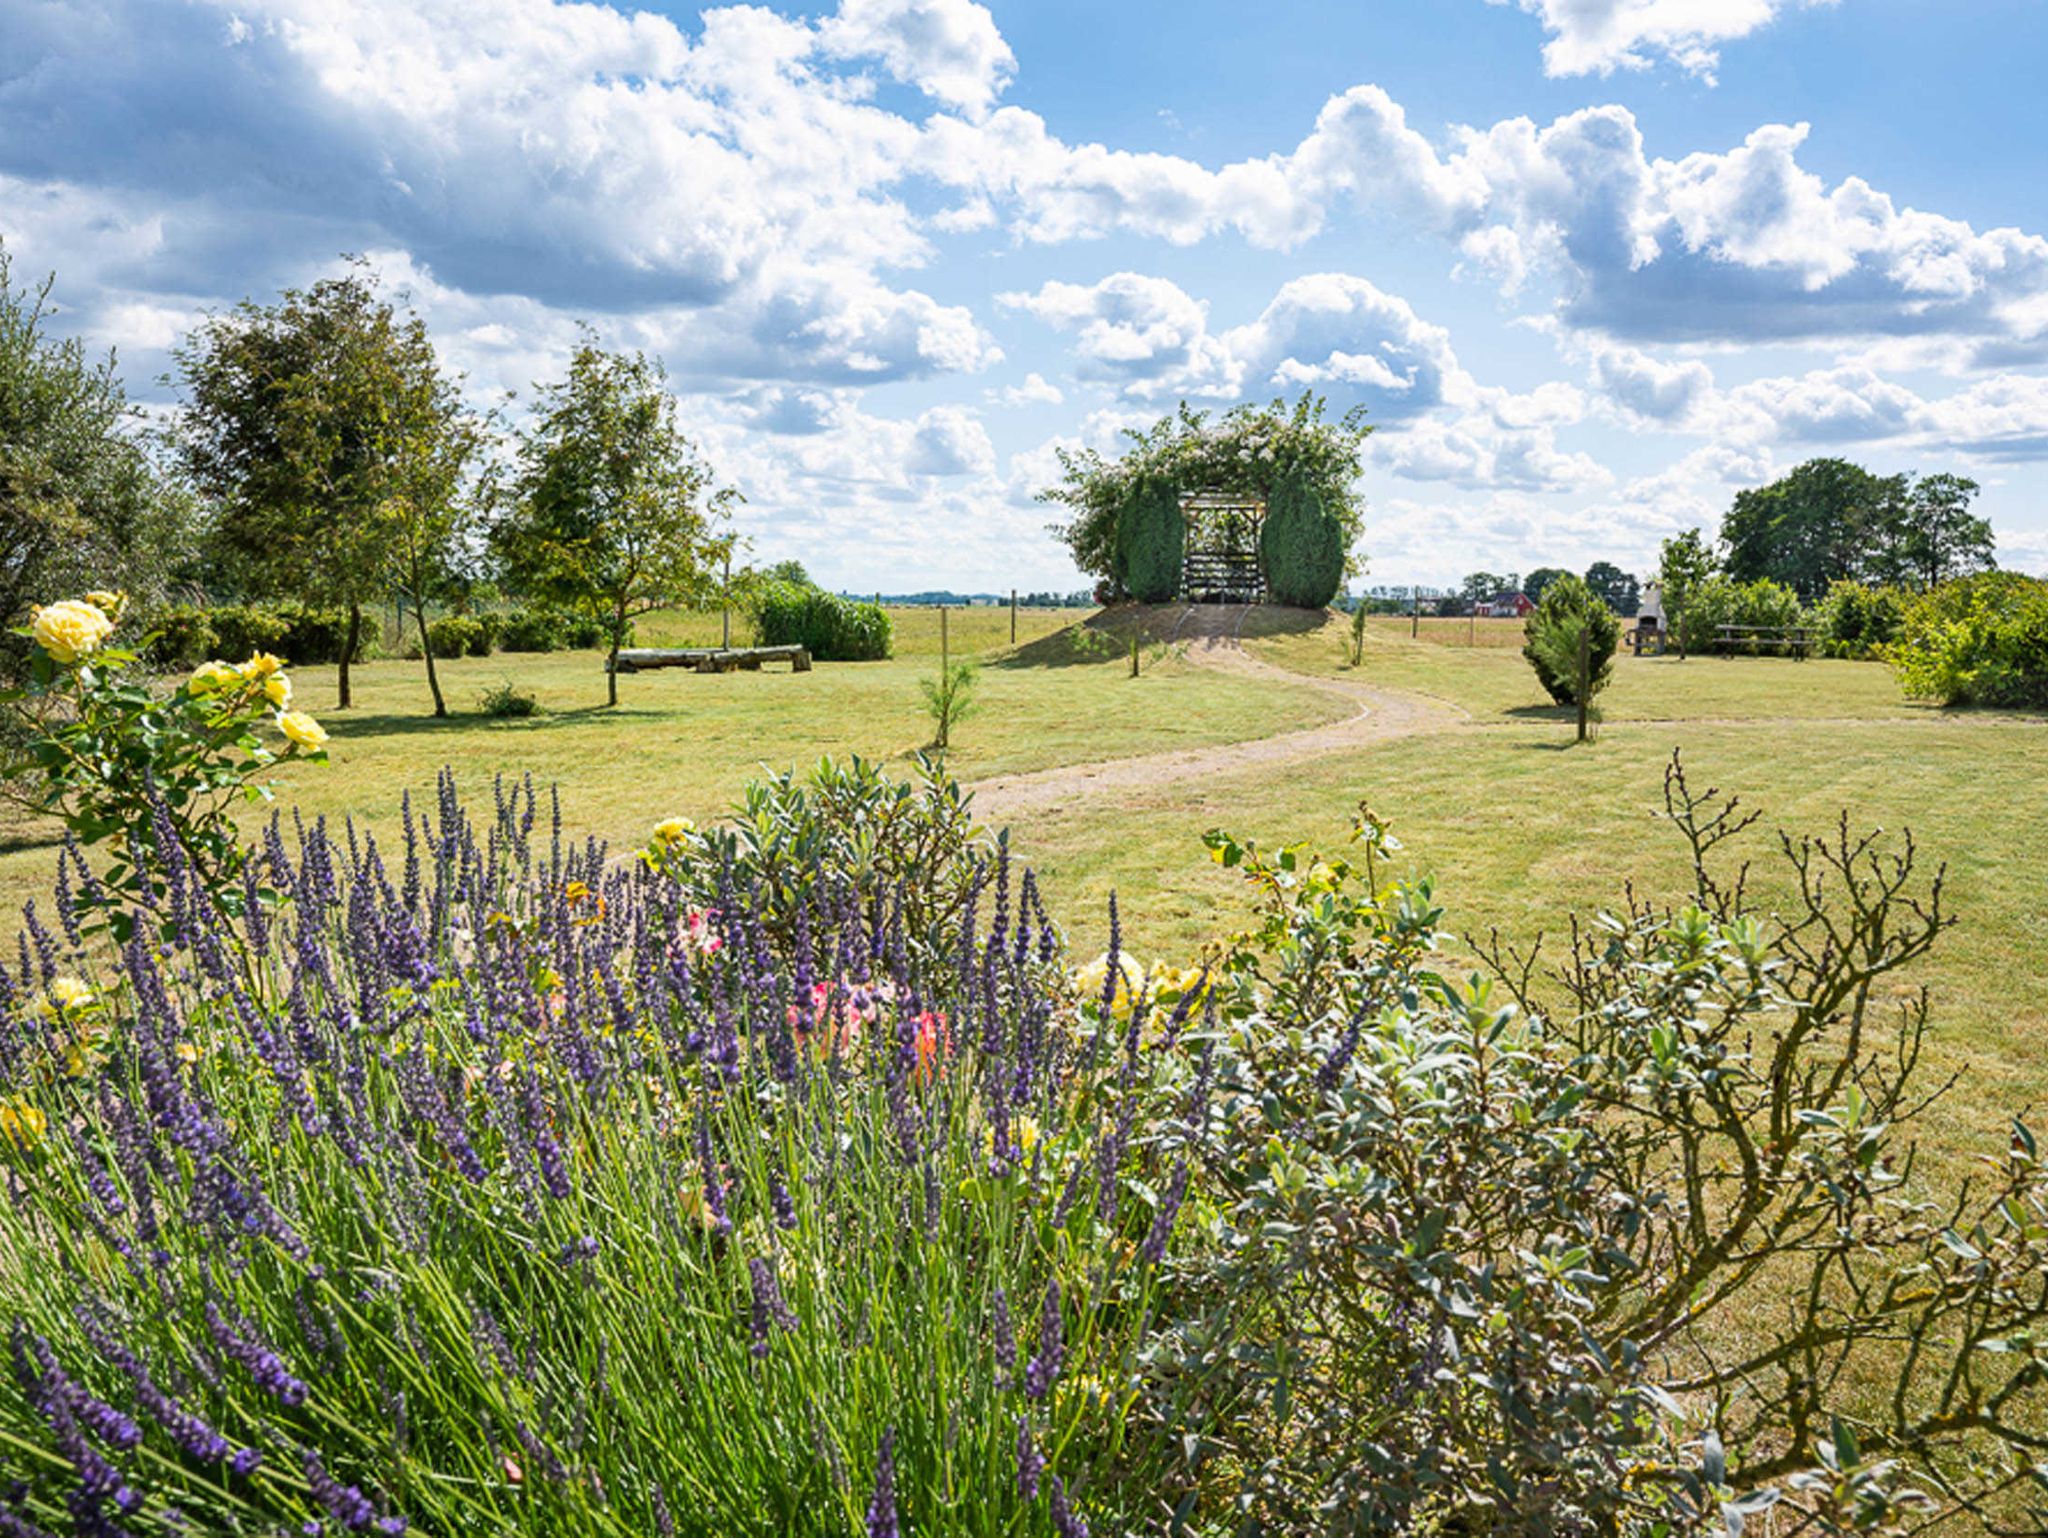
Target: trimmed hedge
<point x="1301" y="547"/>
<point x="831" y="628"/>
<point x="189" y="634"/>
<point x="1978" y="640"/>
<point x="547" y="630"/>
<point x="1151" y="540"/>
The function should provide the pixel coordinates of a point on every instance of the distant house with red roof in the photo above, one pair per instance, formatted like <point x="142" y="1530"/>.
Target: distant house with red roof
<point x="1504" y="606"/>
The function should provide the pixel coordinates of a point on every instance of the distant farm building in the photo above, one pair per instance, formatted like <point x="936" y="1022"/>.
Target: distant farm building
<point x="1504" y="606"/>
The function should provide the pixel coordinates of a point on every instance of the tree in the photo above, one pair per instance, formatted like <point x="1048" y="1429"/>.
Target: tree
<point x="791" y="572"/>
<point x="1300" y="547"/>
<point x="81" y="503"/>
<point x="613" y="512"/>
<point x="1812" y="527"/>
<point x="1151" y="539"/>
<point x="1683" y="567"/>
<point x="1541" y="578"/>
<point x="1479" y="586"/>
<point x="1569" y="641"/>
<point x="1933" y="536"/>
<point x="1613" y="586"/>
<point x="332" y="449"/>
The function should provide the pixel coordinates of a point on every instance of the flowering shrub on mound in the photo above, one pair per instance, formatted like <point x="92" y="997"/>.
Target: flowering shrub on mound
<point x="484" y="1185"/>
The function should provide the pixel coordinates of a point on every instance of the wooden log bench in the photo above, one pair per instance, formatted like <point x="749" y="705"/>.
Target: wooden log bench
<point x="712" y="659"/>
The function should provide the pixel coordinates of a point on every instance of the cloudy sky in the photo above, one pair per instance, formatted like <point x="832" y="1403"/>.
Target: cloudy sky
<point x="1591" y="264"/>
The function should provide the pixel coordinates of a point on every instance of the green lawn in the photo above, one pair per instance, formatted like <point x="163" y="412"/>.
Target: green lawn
<point x="1518" y="826"/>
<point x="685" y="743"/>
<point x="1495" y="684"/>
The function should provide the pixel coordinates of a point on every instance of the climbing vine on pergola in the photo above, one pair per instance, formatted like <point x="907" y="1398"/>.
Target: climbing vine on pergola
<point x="1249" y="451"/>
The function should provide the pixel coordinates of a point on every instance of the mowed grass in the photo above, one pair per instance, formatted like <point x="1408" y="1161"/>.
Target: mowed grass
<point x="680" y="742"/>
<point x="1494" y="684"/>
<point x="1519" y="828"/>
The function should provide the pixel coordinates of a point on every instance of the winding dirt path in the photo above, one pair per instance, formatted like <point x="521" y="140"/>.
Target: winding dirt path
<point x="1210" y="636"/>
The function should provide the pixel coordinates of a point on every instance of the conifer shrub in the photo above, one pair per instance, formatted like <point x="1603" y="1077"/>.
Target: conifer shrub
<point x="1152" y="540"/>
<point x="1552" y="644"/>
<point x="1301" y="547"/>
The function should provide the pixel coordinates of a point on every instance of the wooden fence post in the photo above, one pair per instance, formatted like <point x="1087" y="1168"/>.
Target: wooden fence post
<point x="1585" y="673"/>
<point x="1414" y="613"/>
<point x="1013" y="616"/>
<point x="725" y="613"/>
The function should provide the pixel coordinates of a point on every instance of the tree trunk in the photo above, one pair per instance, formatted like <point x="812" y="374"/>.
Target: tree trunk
<point x="611" y="665"/>
<point x="427" y="651"/>
<point x="348" y="651"/>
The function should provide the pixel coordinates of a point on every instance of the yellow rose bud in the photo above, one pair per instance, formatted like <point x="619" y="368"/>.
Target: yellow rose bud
<point x="213" y="678"/>
<point x="279" y="688"/>
<point x="673" y="831"/>
<point x="70" y="631"/>
<point x="262" y="665"/>
<point x="302" y="729"/>
<point x="109" y="604"/>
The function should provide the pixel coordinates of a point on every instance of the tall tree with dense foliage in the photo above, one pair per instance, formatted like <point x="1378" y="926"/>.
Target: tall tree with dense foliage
<point x="1811" y="527"/>
<point x="1541" y="578"/>
<point x="1247" y="451"/>
<point x="1932" y="536"/>
<point x="1612" y="586"/>
<point x="613" y="513"/>
<point x="81" y="503"/>
<point x="330" y="445"/>
<point x="1684" y="566"/>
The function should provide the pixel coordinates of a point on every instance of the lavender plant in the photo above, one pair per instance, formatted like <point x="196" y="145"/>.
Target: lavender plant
<point x="484" y="1183"/>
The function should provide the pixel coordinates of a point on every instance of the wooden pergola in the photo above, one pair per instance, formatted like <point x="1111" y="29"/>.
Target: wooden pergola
<point x="1220" y="560"/>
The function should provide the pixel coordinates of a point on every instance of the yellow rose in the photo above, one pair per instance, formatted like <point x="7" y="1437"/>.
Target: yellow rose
<point x="302" y="729"/>
<point x="213" y="678"/>
<point x="67" y="995"/>
<point x="1090" y="981"/>
<point x="673" y="831"/>
<point x="262" y="665"/>
<point x="109" y="604"/>
<point x="22" y="1124"/>
<point x="279" y="688"/>
<point x="70" y="631"/>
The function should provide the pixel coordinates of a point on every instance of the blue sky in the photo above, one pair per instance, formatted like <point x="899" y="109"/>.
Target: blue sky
<point x="1591" y="265"/>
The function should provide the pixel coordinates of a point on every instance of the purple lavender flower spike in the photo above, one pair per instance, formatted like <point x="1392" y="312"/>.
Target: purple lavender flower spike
<point x="1005" y="1339"/>
<point x="1043" y="1370"/>
<point x="1153" y="1250"/>
<point x="1065" y="1521"/>
<point x="1030" y="1461"/>
<point x="882" y="1521"/>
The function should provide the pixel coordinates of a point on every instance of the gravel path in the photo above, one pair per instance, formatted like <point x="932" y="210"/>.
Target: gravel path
<point x="1209" y="634"/>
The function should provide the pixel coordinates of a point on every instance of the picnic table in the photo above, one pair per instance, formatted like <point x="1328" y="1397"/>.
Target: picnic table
<point x="712" y="659"/>
<point x="1796" y="640"/>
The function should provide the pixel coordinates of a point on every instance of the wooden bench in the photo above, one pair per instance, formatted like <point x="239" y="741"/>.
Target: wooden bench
<point x="712" y="659"/>
<point x="1796" y="640"/>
